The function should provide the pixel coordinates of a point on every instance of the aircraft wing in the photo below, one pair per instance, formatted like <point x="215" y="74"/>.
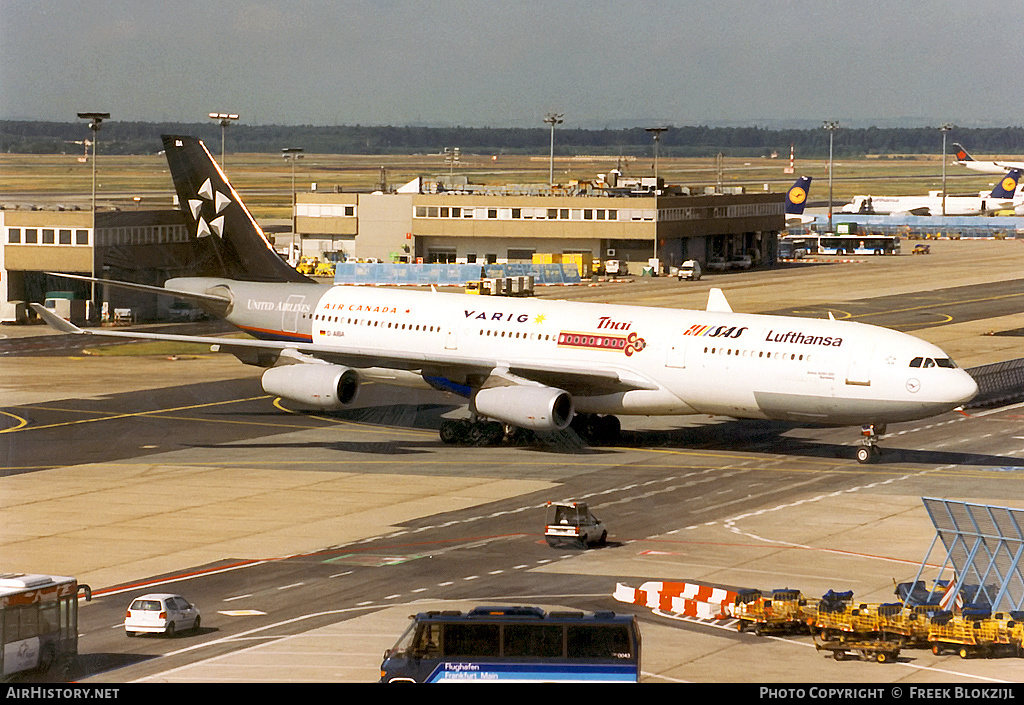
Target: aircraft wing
<point x="265" y="352"/>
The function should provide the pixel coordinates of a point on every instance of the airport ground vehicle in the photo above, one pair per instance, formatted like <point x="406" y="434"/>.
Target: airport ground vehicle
<point x="797" y="247"/>
<point x="571" y="523"/>
<point x="182" y="311"/>
<point x="881" y="651"/>
<point x="740" y="262"/>
<point x="307" y="265"/>
<point x="977" y="632"/>
<point x="38" y="621"/>
<point x="921" y="249"/>
<point x="860" y="244"/>
<point x="514" y="643"/>
<point x="782" y="611"/>
<point x="690" y="269"/>
<point x="324" y="269"/>
<point x="161" y="613"/>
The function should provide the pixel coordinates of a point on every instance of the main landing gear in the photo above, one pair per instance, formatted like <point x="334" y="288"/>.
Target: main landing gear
<point x="869" y="452"/>
<point x="593" y="429"/>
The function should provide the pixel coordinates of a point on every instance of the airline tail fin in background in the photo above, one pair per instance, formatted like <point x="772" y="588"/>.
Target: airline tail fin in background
<point x="1007" y="187"/>
<point x="961" y="153"/>
<point x="229" y="242"/>
<point x="796" y="197"/>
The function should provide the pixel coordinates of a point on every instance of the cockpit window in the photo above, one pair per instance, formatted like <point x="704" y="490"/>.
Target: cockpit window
<point x="929" y="362"/>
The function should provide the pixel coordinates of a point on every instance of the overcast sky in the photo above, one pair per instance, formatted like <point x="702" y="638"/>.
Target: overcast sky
<point x="494" y="63"/>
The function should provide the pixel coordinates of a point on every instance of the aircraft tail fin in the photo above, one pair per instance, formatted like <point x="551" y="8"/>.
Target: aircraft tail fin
<point x="1007" y="186"/>
<point x="229" y="243"/>
<point x="796" y="197"/>
<point x="961" y="153"/>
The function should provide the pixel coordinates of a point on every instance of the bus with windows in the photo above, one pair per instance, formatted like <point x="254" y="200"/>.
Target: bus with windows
<point x="522" y="644"/>
<point x="859" y="244"/>
<point x="38" y="621"/>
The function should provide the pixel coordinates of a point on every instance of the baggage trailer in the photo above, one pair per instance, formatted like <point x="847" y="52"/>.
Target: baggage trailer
<point x="782" y="612"/>
<point x="875" y="650"/>
<point x="910" y="624"/>
<point x="977" y="632"/>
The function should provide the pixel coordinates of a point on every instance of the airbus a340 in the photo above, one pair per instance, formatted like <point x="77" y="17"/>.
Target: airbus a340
<point x="538" y="364"/>
<point x="963" y="158"/>
<point x="1002" y="197"/>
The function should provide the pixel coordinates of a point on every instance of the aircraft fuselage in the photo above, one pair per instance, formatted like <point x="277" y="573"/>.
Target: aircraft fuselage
<point x="679" y="361"/>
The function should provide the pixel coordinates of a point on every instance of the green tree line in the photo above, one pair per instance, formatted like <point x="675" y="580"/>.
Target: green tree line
<point x="30" y="137"/>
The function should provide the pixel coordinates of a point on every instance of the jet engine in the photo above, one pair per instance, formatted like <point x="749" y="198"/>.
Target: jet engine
<point x="322" y="386"/>
<point x="536" y="408"/>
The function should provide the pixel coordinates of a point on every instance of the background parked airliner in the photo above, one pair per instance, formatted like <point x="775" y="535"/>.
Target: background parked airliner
<point x="796" y="201"/>
<point x="538" y="364"/>
<point x="1002" y="197"/>
<point x="988" y="167"/>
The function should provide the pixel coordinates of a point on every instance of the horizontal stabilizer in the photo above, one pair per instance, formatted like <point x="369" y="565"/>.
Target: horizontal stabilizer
<point x="717" y="302"/>
<point x="54" y="321"/>
<point x="190" y="295"/>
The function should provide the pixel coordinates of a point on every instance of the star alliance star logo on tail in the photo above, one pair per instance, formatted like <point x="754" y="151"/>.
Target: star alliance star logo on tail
<point x="209" y="199"/>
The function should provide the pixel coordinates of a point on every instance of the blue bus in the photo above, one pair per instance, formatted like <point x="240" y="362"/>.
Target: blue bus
<point x="520" y="644"/>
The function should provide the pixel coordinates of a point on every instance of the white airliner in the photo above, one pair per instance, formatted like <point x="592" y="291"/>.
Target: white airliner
<point x="989" y="167"/>
<point x="1002" y="197"/>
<point x="540" y="364"/>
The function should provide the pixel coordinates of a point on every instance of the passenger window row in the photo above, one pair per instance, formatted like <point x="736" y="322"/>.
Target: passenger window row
<point x="761" y="354"/>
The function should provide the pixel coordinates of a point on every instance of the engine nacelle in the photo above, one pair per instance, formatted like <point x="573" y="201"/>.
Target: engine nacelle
<point x="536" y="408"/>
<point x="322" y="386"/>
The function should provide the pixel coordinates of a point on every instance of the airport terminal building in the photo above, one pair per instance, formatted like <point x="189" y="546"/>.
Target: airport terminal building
<point x="421" y="222"/>
<point x="430" y="225"/>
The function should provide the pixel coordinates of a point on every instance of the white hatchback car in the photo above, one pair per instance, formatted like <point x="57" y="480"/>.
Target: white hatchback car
<point x="161" y="613"/>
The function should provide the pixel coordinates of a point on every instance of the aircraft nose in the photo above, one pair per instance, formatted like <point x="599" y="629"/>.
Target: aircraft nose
<point x="963" y="388"/>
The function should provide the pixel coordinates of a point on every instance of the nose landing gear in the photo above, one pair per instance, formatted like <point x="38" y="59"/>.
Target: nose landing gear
<point x="869" y="452"/>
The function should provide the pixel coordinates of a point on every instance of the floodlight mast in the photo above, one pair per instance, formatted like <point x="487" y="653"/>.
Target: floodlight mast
<point x="831" y="126"/>
<point x="656" y="133"/>
<point x="552" y="119"/>
<point x="944" y="129"/>
<point x="291" y="154"/>
<point x="224" y="119"/>
<point x="95" y="121"/>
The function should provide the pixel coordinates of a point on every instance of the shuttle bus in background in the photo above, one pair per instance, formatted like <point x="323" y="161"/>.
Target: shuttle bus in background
<point x="858" y="244"/>
<point x="38" y="621"/>
<point x="521" y="644"/>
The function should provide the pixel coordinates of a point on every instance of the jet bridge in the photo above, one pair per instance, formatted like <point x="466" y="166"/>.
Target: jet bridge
<point x="984" y="547"/>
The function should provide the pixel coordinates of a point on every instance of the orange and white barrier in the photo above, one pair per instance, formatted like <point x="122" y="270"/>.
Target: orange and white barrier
<point x="688" y="599"/>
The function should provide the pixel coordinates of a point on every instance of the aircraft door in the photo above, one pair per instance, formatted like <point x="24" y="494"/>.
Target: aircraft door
<point x="290" y="313"/>
<point x="676" y="350"/>
<point x="858" y="371"/>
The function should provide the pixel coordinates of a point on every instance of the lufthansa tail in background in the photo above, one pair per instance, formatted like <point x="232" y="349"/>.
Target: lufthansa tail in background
<point x="537" y="364"/>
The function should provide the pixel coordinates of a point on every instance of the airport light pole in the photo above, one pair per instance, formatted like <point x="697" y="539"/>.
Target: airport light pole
<point x="291" y="154"/>
<point x="831" y="126"/>
<point x="944" y="129"/>
<point x="552" y="119"/>
<point x="95" y="122"/>
<point x="224" y="119"/>
<point x="656" y="133"/>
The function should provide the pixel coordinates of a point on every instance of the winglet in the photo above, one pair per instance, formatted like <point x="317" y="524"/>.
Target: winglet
<point x="717" y="302"/>
<point x="55" y="321"/>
